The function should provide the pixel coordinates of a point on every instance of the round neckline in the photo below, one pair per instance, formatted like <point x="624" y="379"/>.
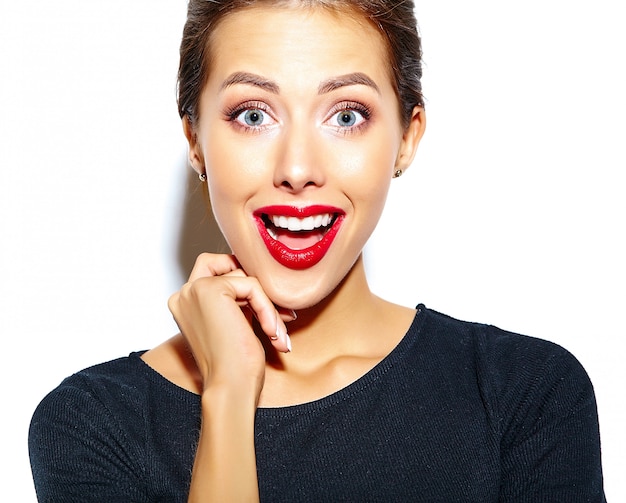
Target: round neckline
<point x="341" y="395"/>
<point x="357" y="386"/>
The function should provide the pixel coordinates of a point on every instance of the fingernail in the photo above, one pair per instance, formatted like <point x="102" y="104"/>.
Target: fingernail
<point x="282" y="331"/>
<point x="277" y="336"/>
<point x="288" y="340"/>
<point x="287" y="314"/>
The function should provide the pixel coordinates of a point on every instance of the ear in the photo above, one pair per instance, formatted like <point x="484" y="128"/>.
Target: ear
<point x="411" y="139"/>
<point x="196" y="158"/>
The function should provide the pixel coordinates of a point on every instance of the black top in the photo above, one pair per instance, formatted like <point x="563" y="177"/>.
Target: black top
<point x="456" y="412"/>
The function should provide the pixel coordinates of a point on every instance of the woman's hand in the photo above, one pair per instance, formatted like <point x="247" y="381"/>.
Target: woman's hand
<point x="214" y="312"/>
<point x="209" y="310"/>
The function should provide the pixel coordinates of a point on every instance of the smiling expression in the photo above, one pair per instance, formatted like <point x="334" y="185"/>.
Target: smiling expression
<point x="299" y="132"/>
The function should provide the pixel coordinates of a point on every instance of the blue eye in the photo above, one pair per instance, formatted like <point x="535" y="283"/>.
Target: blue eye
<point x="346" y="118"/>
<point x="253" y="117"/>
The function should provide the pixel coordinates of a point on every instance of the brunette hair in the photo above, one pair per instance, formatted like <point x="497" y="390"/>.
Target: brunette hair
<point x="395" y="19"/>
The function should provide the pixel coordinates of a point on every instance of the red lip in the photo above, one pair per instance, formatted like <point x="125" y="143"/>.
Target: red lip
<point x="307" y="257"/>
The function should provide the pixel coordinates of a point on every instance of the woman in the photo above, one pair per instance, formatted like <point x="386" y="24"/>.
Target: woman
<point x="290" y="380"/>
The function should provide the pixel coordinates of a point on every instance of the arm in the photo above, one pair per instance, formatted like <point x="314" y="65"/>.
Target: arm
<point x="225" y="464"/>
<point x="551" y="447"/>
<point x="231" y="361"/>
<point x="78" y="453"/>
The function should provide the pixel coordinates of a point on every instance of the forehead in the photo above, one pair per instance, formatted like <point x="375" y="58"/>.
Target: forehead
<point x="305" y="44"/>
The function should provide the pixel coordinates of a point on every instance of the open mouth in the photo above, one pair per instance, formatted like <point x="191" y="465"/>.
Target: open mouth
<point x="298" y="238"/>
<point x="298" y="233"/>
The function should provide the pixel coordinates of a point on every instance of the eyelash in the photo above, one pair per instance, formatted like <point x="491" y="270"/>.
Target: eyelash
<point x="233" y="112"/>
<point x="355" y="106"/>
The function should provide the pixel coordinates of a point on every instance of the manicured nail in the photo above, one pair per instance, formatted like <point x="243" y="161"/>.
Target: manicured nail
<point x="282" y="332"/>
<point x="288" y="340"/>
<point x="287" y="314"/>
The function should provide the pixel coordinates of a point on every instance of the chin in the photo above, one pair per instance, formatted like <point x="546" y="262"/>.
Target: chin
<point x="296" y="295"/>
<point x="296" y="300"/>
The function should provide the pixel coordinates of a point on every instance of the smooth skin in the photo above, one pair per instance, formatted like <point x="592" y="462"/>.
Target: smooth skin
<point x="298" y="70"/>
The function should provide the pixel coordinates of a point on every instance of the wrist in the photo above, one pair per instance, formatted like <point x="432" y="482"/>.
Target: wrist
<point x="219" y="399"/>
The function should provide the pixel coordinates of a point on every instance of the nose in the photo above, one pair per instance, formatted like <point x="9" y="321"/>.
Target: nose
<point x="298" y="163"/>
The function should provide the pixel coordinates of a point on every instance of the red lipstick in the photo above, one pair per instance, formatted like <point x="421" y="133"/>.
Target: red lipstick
<point x="298" y="238"/>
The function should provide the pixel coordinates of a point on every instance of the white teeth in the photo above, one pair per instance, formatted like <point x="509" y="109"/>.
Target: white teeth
<point x="294" y="224"/>
<point x="301" y="224"/>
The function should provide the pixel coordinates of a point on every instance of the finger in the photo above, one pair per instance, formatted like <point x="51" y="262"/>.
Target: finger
<point x="213" y="264"/>
<point x="248" y="291"/>
<point x="237" y="272"/>
<point x="220" y="338"/>
<point x="287" y="315"/>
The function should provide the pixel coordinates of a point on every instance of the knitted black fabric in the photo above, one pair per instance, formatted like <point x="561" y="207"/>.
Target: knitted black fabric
<point x="457" y="412"/>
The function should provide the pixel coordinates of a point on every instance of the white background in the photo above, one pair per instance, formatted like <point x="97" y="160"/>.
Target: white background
<point x="513" y="212"/>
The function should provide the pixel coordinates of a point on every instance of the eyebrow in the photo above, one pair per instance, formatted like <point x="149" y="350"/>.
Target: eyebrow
<point x="350" y="79"/>
<point x="327" y="86"/>
<point x="252" y="80"/>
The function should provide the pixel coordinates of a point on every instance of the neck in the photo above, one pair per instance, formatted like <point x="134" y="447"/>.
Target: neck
<point x="337" y="324"/>
<point x="352" y="293"/>
<point x="334" y="343"/>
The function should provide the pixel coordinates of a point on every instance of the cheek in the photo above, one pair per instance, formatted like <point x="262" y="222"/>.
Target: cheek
<point x="235" y="172"/>
<point x="368" y="169"/>
<point x="227" y="194"/>
<point x="369" y="185"/>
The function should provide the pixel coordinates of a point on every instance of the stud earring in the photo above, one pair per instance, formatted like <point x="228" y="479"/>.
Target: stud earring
<point x="398" y="173"/>
<point x="202" y="177"/>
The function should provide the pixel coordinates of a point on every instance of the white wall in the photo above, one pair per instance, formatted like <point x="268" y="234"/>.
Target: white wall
<point x="512" y="214"/>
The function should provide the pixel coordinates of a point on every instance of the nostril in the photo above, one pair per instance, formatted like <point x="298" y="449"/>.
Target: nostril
<point x="286" y="184"/>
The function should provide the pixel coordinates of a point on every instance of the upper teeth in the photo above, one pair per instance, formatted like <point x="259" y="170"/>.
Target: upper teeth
<point x="302" y="224"/>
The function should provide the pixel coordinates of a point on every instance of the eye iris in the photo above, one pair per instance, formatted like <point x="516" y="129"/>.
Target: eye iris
<point x="346" y="118"/>
<point x="253" y="117"/>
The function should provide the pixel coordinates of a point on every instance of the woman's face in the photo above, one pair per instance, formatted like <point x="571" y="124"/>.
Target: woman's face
<point x="299" y="133"/>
